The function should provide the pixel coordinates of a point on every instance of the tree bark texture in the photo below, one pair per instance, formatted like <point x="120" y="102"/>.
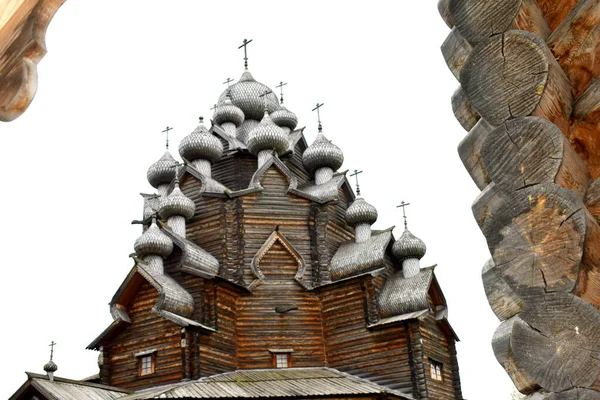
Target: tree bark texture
<point x="530" y="98"/>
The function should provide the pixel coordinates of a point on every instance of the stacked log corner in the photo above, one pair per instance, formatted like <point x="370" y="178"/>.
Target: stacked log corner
<point x="529" y="97"/>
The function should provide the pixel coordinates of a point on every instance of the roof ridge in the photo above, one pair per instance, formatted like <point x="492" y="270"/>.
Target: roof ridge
<point x="33" y="375"/>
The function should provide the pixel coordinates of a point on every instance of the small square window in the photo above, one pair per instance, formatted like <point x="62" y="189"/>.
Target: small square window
<point x="146" y="365"/>
<point x="281" y="360"/>
<point x="436" y="370"/>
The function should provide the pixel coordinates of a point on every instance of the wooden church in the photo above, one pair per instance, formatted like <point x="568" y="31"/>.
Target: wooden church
<point x="258" y="275"/>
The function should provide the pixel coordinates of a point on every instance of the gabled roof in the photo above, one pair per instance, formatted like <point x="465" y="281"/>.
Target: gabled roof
<point x="353" y="258"/>
<point x="270" y="383"/>
<point x="324" y="192"/>
<point x="209" y="185"/>
<point x="67" y="389"/>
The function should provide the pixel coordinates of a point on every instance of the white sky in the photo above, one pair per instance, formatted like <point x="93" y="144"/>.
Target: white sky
<point x="118" y="72"/>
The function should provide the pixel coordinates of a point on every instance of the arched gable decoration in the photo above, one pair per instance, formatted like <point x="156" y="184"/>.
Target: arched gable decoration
<point x="274" y="237"/>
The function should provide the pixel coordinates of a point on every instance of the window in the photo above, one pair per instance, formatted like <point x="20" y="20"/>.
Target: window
<point x="281" y="360"/>
<point x="146" y="362"/>
<point x="436" y="370"/>
<point x="282" y="357"/>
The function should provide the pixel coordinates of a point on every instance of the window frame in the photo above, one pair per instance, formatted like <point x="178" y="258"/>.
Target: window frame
<point x="436" y="369"/>
<point x="276" y="353"/>
<point x="142" y="365"/>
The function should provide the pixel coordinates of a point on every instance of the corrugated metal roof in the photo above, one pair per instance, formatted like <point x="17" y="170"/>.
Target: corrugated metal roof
<point x="269" y="383"/>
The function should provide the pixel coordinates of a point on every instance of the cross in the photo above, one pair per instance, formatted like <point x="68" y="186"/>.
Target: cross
<point x="228" y="81"/>
<point x="319" y="117"/>
<point x="52" y="349"/>
<point x="267" y="91"/>
<point x="214" y="107"/>
<point x="280" y="86"/>
<point x="176" y="166"/>
<point x="245" y="53"/>
<point x="167" y="129"/>
<point x="355" y="174"/>
<point x="403" y="205"/>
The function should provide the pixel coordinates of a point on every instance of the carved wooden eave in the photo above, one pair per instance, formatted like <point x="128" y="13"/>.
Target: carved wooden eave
<point x="23" y="25"/>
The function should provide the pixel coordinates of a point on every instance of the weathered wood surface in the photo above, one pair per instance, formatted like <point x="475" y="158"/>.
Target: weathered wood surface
<point x="444" y="10"/>
<point x="463" y="111"/>
<point x="574" y="394"/>
<point x="514" y="75"/>
<point x="576" y="45"/>
<point x="504" y="302"/>
<point x="585" y="128"/>
<point x="536" y="238"/>
<point x="478" y="20"/>
<point x="469" y="151"/>
<point x="455" y="50"/>
<point x="529" y="150"/>
<point x="23" y="25"/>
<point x="556" y="11"/>
<point x="552" y="343"/>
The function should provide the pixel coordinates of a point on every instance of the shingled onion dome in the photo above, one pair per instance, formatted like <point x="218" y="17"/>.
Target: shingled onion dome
<point x="201" y="148"/>
<point x="409" y="249"/>
<point x="284" y="118"/>
<point x="228" y="116"/>
<point x="161" y="173"/>
<point x="50" y="369"/>
<point x="245" y="94"/>
<point x="322" y="157"/>
<point x="176" y="208"/>
<point x="153" y="246"/>
<point x="265" y="138"/>
<point x="361" y="215"/>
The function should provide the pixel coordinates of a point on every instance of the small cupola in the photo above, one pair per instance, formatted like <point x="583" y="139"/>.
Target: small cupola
<point x="50" y="367"/>
<point x="201" y="149"/>
<point x="267" y="138"/>
<point x="161" y="173"/>
<point x="409" y="249"/>
<point x="283" y="117"/>
<point x="361" y="215"/>
<point x="322" y="158"/>
<point x="153" y="246"/>
<point x="177" y="208"/>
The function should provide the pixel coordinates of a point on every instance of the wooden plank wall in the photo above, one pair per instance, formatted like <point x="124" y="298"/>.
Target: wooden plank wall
<point x="436" y="347"/>
<point x="273" y="207"/>
<point x="260" y="328"/>
<point x="147" y="331"/>
<point x="379" y="355"/>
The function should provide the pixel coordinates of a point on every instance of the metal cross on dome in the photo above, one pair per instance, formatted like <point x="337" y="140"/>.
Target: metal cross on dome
<point x="227" y="82"/>
<point x="246" y="41"/>
<point x="167" y="129"/>
<point x="280" y="86"/>
<point x="319" y="116"/>
<point x="403" y="205"/>
<point x="355" y="175"/>
<point x="264" y="95"/>
<point x="52" y="344"/>
<point x="214" y="107"/>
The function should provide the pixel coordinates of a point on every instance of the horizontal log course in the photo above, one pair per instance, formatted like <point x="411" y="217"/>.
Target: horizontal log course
<point x="585" y="129"/>
<point x="463" y="111"/>
<point x="536" y="237"/>
<point x="576" y="45"/>
<point x="514" y="75"/>
<point x="552" y="343"/>
<point x="444" y="10"/>
<point x="588" y="281"/>
<point x="469" y="151"/>
<point x="478" y="20"/>
<point x="504" y="302"/>
<point x="530" y="150"/>
<point x="455" y="50"/>
<point x="556" y="11"/>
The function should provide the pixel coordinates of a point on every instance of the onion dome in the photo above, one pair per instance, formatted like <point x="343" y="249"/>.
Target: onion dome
<point x="322" y="153"/>
<point x="228" y="112"/>
<point x="268" y="136"/>
<point x="163" y="171"/>
<point x="50" y="366"/>
<point x="153" y="242"/>
<point x="409" y="246"/>
<point x="201" y="144"/>
<point x="285" y="118"/>
<point x="177" y="203"/>
<point x="246" y="93"/>
<point x="361" y="212"/>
